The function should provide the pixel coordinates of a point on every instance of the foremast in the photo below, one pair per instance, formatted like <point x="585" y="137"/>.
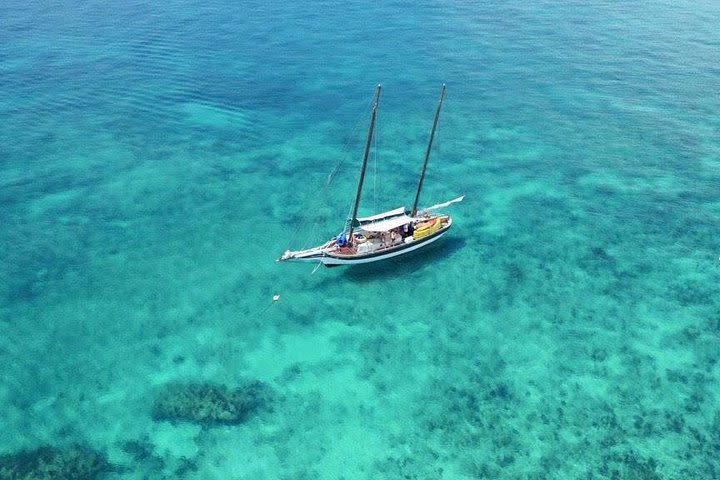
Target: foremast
<point x="371" y="130"/>
<point x="413" y="211"/>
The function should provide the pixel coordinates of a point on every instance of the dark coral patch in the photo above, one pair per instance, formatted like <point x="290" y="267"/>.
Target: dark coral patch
<point x="210" y="404"/>
<point x="74" y="462"/>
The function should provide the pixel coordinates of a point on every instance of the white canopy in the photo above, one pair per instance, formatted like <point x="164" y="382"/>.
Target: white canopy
<point x="387" y="224"/>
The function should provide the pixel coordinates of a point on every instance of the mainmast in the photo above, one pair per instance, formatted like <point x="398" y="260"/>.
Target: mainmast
<point x="427" y="153"/>
<point x="373" y="116"/>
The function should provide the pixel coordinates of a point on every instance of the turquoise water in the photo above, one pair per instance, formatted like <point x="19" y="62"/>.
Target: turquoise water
<point x="155" y="159"/>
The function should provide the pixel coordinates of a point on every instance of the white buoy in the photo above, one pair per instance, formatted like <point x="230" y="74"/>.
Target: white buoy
<point x="276" y="298"/>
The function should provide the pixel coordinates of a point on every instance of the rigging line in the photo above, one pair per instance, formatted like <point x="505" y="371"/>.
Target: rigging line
<point x="315" y="220"/>
<point x="375" y="157"/>
<point x="439" y="136"/>
<point x="346" y="147"/>
<point x="329" y="179"/>
<point x="351" y="205"/>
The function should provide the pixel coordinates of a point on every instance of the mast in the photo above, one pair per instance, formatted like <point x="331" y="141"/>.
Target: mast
<point x="427" y="153"/>
<point x="364" y="164"/>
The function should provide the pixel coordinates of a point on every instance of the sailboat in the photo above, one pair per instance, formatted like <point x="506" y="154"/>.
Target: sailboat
<point x="387" y="234"/>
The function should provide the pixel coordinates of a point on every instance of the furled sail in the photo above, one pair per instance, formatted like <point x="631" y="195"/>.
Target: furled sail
<point x="445" y="204"/>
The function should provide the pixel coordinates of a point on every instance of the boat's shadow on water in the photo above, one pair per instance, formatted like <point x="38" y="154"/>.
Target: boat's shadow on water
<point x="436" y="253"/>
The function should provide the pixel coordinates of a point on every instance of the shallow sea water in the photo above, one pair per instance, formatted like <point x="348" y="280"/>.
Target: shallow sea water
<point x="156" y="159"/>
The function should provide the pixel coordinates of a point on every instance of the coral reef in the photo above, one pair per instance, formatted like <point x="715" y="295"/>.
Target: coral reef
<point x="210" y="404"/>
<point x="73" y="462"/>
<point x="143" y="455"/>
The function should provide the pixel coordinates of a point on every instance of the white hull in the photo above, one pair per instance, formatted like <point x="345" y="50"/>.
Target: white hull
<point x="326" y="256"/>
<point x="377" y="258"/>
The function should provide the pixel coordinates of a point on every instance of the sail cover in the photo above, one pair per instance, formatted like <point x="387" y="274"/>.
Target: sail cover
<point x="382" y="216"/>
<point x="444" y="204"/>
